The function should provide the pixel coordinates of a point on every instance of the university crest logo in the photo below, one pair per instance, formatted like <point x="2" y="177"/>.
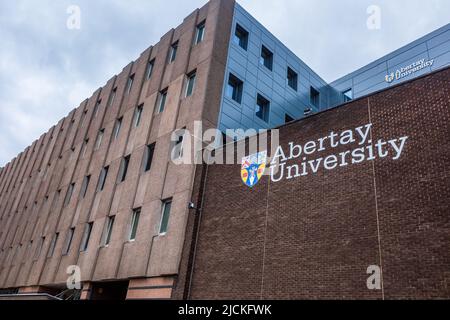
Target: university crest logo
<point x="253" y="168"/>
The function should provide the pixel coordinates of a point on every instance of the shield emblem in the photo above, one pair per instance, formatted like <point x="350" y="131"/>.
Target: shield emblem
<point x="253" y="168"/>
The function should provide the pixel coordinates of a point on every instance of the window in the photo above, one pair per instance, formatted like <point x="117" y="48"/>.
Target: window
<point x="177" y="151"/>
<point x="85" y="186"/>
<point x="315" y="97"/>
<point x="108" y="231"/>
<point x="39" y="249"/>
<point x="241" y="37"/>
<point x="130" y="83"/>
<point x="266" y="58"/>
<point x="124" y="169"/>
<point x="190" y="85"/>
<point x="68" y="241"/>
<point x="263" y="108"/>
<point x="149" y="71"/>
<point x="85" y="144"/>
<point x="167" y="204"/>
<point x="102" y="179"/>
<point x="288" y="118"/>
<point x="96" y="107"/>
<point x="53" y="245"/>
<point x="173" y="52"/>
<point x="200" y="33"/>
<point x="138" y="115"/>
<point x="235" y="88"/>
<point x="148" y="156"/>
<point x="83" y="119"/>
<point x="86" y="237"/>
<point x="162" y="100"/>
<point x="117" y="127"/>
<point x="348" y="95"/>
<point x="292" y="78"/>
<point x="98" y="143"/>
<point x="112" y="97"/>
<point x="134" y="224"/>
<point x="69" y="194"/>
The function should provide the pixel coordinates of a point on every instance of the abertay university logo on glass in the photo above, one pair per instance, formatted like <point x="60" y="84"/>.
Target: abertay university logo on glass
<point x="253" y="168"/>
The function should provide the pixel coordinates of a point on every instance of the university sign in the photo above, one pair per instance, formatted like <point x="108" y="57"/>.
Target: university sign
<point x="408" y="70"/>
<point x="299" y="160"/>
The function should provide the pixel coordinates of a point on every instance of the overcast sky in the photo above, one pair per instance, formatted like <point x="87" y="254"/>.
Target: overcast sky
<point x="46" y="69"/>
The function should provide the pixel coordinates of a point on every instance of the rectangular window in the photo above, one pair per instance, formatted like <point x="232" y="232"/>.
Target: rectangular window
<point x="200" y="33"/>
<point x="292" y="78"/>
<point x="235" y="88"/>
<point x="100" y="135"/>
<point x="263" y="108"/>
<point x="167" y="204"/>
<point x="112" y="96"/>
<point x="124" y="169"/>
<point x="177" y="151"/>
<point x="266" y="58"/>
<point x="162" y="100"/>
<point x="314" y="97"/>
<point x="39" y="249"/>
<point x="85" y="144"/>
<point x="190" y="85"/>
<point x="241" y="37"/>
<point x="149" y="71"/>
<point x="86" y="237"/>
<point x="68" y="241"/>
<point x="138" y="115"/>
<point x="173" y="52"/>
<point x="134" y="224"/>
<point x="288" y="118"/>
<point x="96" y="107"/>
<point x="348" y="95"/>
<point x="108" y="231"/>
<point x="69" y="194"/>
<point x="51" y="250"/>
<point x="117" y="127"/>
<point x="130" y="83"/>
<point x="85" y="186"/>
<point x="148" y="157"/>
<point x="102" y="179"/>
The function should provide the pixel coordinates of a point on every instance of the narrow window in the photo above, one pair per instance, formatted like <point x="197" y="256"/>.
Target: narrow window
<point x="138" y="115"/>
<point x="162" y="100"/>
<point x="263" y="108"/>
<point x="148" y="157"/>
<point x="241" y="37"/>
<point x="190" y="85"/>
<point x="96" y="107"/>
<point x="83" y="118"/>
<point x="177" y="151"/>
<point x="173" y="52"/>
<point x="134" y="224"/>
<point x="53" y="245"/>
<point x="314" y="97"/>
<point x="86" y="236"/>
<point x="266" y="58"/>
<point x="348" y="95"/>
<point x="85" y="186"/>
<point x="85" y="144"/>
<point x="200" y="34"/>
<point x="112" y="96"/>
<point x="167" y="204"/>
<point x="117" y="127"/>
<point x="292" y="78"/>
<point x="102" y="179"/>
<point x="69" y="194"/>
<point x="68" y="241"/>
<point x="149" y="71"/>
<point x="39" y="249"/>
<point x="100" y="135"/>
<point x="235" y="88"/>
<point x="130" y="83"/>
<point x="288" y="118"/>
<point x="124" y="168"/>
<point x="108" y="231"/>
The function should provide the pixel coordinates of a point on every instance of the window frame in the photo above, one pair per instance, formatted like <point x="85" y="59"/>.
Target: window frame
<point x="132" y="234"/>
<point x="292" y="73"/>
<point x="243" y="38"/>
<point x="237" y="86"/>
<point x="166" y="202"/>
<point x="191" y="81"/>
<point x="200" y="31"/>
<point x="264" y="108"/>
<point x="266" y="57"/>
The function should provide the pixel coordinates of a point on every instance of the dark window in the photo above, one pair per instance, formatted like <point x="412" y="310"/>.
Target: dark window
<point x="149" y="71"/>
<point x="112" y="96"/>
<point x="266" y="58"/>
<point x="85" y="144"/>
<point x="51" y="250"/>
<point x="190" y="85"/>
<point x="102" y="179"/>
<point x="235" y="88"/>
<point x="148" y="157"/>
<point x="315" y="97"/>
<point x="241" y="37"/>
<point x="85" y="186"/>
<point x="138" y="115"/>
<point x="262" y="108"/>
<point x="200" y="33"/>
<point x="124" y="168"/>
<point x="130" y="83"/>
<point x="108" y="231"/>
<point x="348" y="95"/>
<point x="292" y="77"/>
<point x="167" y="204"/>
<point x="134" y="224"/>
<point x="162" y="100"/>
<point x="173" y="52"/>
<point x="68" y="241"/>
<point x="288" y="118"/>
<point x="117" y="127"/>
<point x="86" y="236"/>
<point x="177" y="151"/>
<point x="69" y="194"/>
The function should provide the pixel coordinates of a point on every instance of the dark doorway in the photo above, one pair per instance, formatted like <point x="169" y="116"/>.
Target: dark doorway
<point x="109" y="290"/>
